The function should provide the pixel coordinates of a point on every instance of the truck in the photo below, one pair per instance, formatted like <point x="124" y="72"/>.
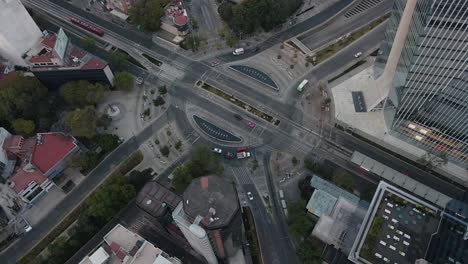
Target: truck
<point x="238" y="51"/>
<point x="243" y="155"/>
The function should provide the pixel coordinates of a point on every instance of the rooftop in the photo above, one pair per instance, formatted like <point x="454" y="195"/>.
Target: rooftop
<point x="155" y="199"/>
<point x="56" y="51"/>
<point x="397" y="228"/>
<point x="22" y="178"/>
<point x="123" y="246"/>
<point x="212" y="198"/>
<point x="176" y="12"/>
<point x="50" y="149"/>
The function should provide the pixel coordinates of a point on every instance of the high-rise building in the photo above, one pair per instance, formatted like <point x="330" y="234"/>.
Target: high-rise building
<point x="426" y="41"/>
<point x="18" y="32"/>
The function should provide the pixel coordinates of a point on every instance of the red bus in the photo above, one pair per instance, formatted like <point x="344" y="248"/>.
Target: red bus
<point x="87" y="26"/>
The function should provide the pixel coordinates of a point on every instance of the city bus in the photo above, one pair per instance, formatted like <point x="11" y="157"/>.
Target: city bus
<point x="301" y="86"/>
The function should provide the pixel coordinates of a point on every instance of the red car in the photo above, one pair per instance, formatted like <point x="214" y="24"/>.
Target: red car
<point x="250" y="124"/>
<point x="215" y="63"/>
<point x="241" y="149"/>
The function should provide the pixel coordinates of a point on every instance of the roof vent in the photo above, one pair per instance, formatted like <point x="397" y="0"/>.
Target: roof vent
<point x="148" y="202"/>
<point x="212" y="211"/>
<point x="75" y="59"/>
<point x="11" y="184"/>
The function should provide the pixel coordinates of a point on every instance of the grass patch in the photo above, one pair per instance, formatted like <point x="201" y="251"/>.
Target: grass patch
<point x="354" y="66"/>
<point x="239" y="103"/>
<point x="153" y="60"/>
<point x="330" y="50"/>
<point x="131" y="59"/>
<point x="122" y="169"/>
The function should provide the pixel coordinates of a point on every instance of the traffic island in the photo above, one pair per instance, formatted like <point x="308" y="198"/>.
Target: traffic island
<point x="233" y="100"/>
<point x="255" y="74"/>
<point x="214" y="131"/>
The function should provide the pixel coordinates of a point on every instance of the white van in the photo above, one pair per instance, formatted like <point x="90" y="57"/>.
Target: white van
<point x="238" y="51"/>
<point x="301" y="86"/>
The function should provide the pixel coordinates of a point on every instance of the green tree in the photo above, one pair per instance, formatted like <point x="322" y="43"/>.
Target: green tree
<point x="181" y="178"/>
<point x="139" y="178"/>
<point x="23" y="127"/>
<point x="82" y="122"/>
<point x="294" y="161"/>
<point x="123" y="81"/>
<point x="148" y="14"/>
<point x="110" y="198"/>
<point x="231" y="40"/>
<point x="305" y="187"/>
<point x="299" y="223"/>
<point x="164" y="151"/>
<point x="107" y="142"/>
<point x="117" y="60"/>
<point x="88" y="44"/>
<point x="162" y="90"/>
<point x="21" y="97"/>
<point x="104" y="121"/>
<point x="81" y="93"/>
<point x="343" y="179"/>
<point x="178" y="145"/>
<point x="159" y="101"/>
<point x="204" y="162"/>
<point x="307" y="253"/>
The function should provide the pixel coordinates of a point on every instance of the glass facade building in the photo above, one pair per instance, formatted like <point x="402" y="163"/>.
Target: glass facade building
<point x="428" y="100"/>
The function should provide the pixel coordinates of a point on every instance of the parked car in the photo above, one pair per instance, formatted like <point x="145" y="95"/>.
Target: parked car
<point x="249" y="194"/>
<point x="217" y="150"/>
<point x="215" y="63"/>
<point x="357" y="55"/>
<point x="243" y="155"/>
<point x="256" y="49"/>
<point x="238" y="117"/>
<point x="241" y="149"/>
<point x="250" y="124"/>
<point x="238" y="51"/>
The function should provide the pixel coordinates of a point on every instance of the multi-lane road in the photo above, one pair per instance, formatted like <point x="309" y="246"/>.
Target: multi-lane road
<point x="186" y="72"/>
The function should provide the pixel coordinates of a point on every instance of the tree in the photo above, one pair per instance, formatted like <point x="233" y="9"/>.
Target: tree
<point x="139" y="178"/>
<point x="117" y="60"/>
<point x="104" y="121"/>
<point x="82" y="122"/>
<point x="123" y="81"/>
<point x="81" y="93"/>
<point x="23" y="127"/>
<point x="298" y="222"/>
<point x="162" y="90"/>
<point x="181" y="178"/>
<point x="231" y="40"/>
<point x="22" y="97"/>
<point x="305" y="187"/>
<point x="88" y="44"/>
<point x="158" y="101"/>
<point x="178" y="145"/>
<point x="204" y="162"/>
<point x="164" y="151"/>
<point x="307" y="253"/>
<point x="343" y="179"/>
<point x="148" y="14"/>
<point x="107" y="142"/>
<point x="294" y="161"/>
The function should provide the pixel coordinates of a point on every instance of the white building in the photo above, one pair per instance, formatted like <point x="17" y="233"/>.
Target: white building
<point x="18" y="32"/>
<point x="121" y="246"/>
<point x="195" y="235"/>
<point x="6" y="164"/>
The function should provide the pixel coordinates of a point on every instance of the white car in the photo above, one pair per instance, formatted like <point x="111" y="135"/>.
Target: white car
<point x="357" y="55"/>
<point x="217" y="150"/>
<point x="139" y="80"/>
<point x="27" y="228"/>
<point x="249" y="194"/>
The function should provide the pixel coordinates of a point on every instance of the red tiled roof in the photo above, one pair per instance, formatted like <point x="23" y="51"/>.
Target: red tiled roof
<point x="180" y="20"/>
<point x="114" y="247"/>
<point x="52" y="150"/>
<point x="22" y="179"/>
<point x="13" y="142"/>
<point x="49" y="41"/>
<point x="77" y="53"/>
<point x="42" y="58"/>
<point x="94" y="64"/>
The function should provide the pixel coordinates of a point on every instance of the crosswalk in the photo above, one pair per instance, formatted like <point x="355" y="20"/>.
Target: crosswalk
<point x="361" y="7"/>
<point x="242" y="175"/>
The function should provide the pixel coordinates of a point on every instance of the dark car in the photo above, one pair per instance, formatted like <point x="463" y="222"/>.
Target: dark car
<point x="229" y="155"/>
<point x="256" y="49"/>
<point x="241" y="149"/>
<point x="238" y="117"/>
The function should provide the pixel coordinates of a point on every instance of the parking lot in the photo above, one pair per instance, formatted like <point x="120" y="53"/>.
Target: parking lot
<point x="214" y="131"/>
<point x="405" y="232"/>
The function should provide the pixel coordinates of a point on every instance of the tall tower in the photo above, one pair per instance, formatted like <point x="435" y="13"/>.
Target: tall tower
<point x="18" y="32"/>
<point x="427" y="102"/>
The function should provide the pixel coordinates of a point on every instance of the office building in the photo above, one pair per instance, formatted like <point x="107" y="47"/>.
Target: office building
<point x="18" y="32"/>
<point x="427" y="102"/>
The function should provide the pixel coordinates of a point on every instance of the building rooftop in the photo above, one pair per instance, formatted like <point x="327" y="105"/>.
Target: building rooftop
<point x="50" y="149"/>
<point x="213" y="199"/>
<point x="155" y="199"/>
<point x="397" y="228"/>
<point x="123" y="246"/>
<point x="23" y="177"/>
<point x="176" y="12"/>
<point x="56" y="51"/>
